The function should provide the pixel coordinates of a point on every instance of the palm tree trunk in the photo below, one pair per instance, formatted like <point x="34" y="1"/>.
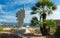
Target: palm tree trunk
<point x="44" y="32"/>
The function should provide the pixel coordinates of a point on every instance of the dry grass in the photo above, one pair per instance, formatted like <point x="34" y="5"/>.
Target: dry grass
<point x="6" y="35"/>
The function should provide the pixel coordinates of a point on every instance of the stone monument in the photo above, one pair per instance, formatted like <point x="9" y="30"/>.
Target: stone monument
<point x="20" y="16"/>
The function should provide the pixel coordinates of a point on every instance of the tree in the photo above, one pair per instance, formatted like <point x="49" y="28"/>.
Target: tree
<point x="43" y="7"/>
<point x="57" y="33"/>
<point x="50" y="25"/>
<point x="34" y="22"/>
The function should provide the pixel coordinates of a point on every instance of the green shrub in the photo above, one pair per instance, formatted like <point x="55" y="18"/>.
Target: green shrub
<point x="1" y="28"/>
<point x="57" y="33"/>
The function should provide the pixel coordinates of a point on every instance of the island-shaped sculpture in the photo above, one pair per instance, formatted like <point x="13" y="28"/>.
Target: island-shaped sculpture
<point x="20" y="17"/>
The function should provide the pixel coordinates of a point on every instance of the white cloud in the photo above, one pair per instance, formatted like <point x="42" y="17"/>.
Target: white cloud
<point x="20" y="2"/>
<point x="0" y="6"/>
<point x="5" y="12"/>
<point x="1" y="11"/>
<point x="9" y="17"/>
<point x="28" y="16"/>
<point x="3" y="20"/>
<point x="24" y="1"/>
<point x="56" y="14"/>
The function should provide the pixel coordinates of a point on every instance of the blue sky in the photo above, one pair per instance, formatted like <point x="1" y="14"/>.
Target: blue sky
<point x="8" y="9"/>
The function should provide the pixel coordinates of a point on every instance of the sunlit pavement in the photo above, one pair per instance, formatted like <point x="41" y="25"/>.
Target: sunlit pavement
<point x="6" y="32"/>
<point x="35" y="37"/>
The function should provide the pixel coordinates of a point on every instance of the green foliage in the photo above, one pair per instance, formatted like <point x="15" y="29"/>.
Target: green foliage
<point x="57" y="33"/>
<point x="33" y="12"/>
<point x="45" y="6"/>
<point x="49" y="23"/>
<point x="34" y="8"/>
<point x="1" y="28"/>
<point x="34" y="22"/>
<point x="54" y="7"/>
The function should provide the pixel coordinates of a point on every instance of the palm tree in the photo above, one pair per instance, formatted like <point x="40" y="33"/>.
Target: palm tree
<point x="43" y="7"/>
<point x="34" y="22"/>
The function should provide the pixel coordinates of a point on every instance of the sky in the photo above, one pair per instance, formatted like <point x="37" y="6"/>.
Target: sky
<point x="9" y="8"/>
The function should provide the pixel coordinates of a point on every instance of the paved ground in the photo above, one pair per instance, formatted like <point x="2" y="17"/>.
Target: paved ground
<point x="5" y="32"/>
<point x="27" y="36"/>
<point x="34" y="37"/>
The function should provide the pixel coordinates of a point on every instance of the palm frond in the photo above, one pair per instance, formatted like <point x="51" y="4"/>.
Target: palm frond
<point x="34" y="8"/>
<point x="38" y="4"/>
<point x="34" y="22"/>
<point x="54" y="7"/>
<point x="33" y="12"/>
<point x="50" y="12"/>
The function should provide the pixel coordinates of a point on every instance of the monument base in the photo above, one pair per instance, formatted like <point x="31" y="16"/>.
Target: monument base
<point x="21" y="30"/>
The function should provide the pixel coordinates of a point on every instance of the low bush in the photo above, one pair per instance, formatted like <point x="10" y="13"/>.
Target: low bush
<point x="57" y="33"/>
<point x="1" y="28"/>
